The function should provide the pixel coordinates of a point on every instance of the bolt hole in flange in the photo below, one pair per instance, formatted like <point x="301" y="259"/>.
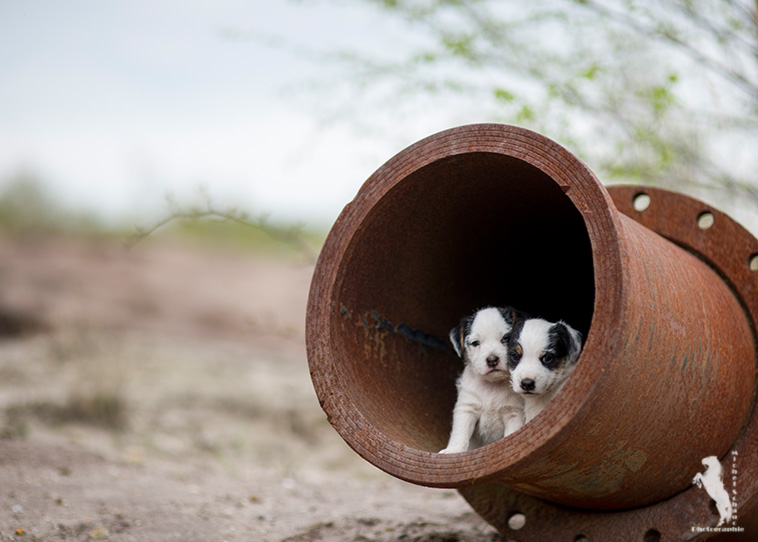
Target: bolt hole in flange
<point x="641" y="202"/>
<point x="753" y="262"/>
<point x="516" y="521"/>
<point x="581" y="538"/>
<point x="705" y="220"/>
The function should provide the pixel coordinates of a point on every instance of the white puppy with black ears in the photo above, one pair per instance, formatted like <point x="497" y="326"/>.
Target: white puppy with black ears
<point x="541" y="356"/>
<point x="487" y="408"/>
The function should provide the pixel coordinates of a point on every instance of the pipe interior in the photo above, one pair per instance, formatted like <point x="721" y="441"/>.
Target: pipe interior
<point x="461" y="233"/>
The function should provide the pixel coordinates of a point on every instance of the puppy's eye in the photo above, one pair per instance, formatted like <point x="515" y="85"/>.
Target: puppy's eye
<point x="505" y="338"/>
<point x="513" y="358"/>
<point x="547" y="359"/>
<point x="516" y="354"/>
<point x="475" y="343"/>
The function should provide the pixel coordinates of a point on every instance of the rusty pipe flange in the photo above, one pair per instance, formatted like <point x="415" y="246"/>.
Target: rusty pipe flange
<point x="732" y="251"/>
<point x="489" y="214"/>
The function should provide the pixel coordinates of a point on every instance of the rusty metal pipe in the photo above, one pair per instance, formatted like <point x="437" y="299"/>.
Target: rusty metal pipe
<point x="494" y="214"/>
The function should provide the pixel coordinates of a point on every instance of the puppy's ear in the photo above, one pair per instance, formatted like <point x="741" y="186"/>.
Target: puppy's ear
<point x="456" y="337"/>
<point x="570" y="338"/>
<point x="512" y="315"/>
<point x="458" y="334"/>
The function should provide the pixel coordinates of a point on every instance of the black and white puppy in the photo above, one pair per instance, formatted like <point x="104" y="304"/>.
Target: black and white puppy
<point x="487" y="408"/>
<point x="541" y="356"/>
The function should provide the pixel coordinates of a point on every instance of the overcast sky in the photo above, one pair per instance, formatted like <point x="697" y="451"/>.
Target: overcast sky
<point x="117" y="105"/>
<point x="114" y="105"/>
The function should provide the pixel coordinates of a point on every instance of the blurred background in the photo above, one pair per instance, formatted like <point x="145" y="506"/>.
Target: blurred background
<point x="168" y="171"/>
<point x="285" y="107"/>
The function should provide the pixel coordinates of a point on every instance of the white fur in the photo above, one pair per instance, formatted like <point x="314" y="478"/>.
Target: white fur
<point x="711" y="480"/>
<point x="534" y="342"/>
<point x="487" y="409"/>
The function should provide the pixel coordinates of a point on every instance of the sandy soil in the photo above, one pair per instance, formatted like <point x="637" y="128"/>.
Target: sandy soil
<point x="163" y="394"/>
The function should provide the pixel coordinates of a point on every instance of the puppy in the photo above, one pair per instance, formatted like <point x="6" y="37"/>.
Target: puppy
<point x="487" y="408"/>
<point x="541" y="356"/>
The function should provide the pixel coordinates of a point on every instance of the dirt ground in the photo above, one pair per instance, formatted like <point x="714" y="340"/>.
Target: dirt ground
<point x="163" y="394"/>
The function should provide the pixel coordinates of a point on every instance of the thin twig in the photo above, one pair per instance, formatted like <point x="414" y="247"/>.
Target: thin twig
<point x="291" y="236"/>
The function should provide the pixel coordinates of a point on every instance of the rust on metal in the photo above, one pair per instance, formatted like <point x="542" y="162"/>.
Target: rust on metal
<point x="494" y="214"/>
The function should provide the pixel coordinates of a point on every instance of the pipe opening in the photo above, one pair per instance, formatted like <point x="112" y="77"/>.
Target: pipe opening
<point x="463" y="232"/>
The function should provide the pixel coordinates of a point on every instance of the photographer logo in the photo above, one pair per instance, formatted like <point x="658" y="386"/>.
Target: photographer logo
<point x="722" y="490"/>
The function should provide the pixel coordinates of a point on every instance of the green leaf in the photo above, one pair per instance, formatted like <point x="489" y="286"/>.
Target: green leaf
<point x="660" y="98"/>
<point x="503" y="95"/>
<point x="591" y="73"/>
<point x="525" y="114"/>
<point x="459" y="45"/>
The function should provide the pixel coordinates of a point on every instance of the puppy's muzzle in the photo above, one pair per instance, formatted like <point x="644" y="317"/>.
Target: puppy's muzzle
<point x="528" y="385"/>
<point x="492" y="361"/>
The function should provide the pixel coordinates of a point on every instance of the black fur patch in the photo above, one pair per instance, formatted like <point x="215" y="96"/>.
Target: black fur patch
<point x="512" y="315"/>
<point x="459" y="333"/>
<point x="560" y="343"/>
<point x="515" y="350"/>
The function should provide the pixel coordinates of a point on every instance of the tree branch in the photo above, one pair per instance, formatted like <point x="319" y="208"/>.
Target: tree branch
<point x="291" y="236"/>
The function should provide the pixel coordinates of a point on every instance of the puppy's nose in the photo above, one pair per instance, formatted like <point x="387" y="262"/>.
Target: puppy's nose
<point x="492" y="361"/>
<point x="528" y="384"/>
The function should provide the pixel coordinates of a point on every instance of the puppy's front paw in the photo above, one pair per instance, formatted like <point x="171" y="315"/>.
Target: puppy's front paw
<point x="451" y="450"/>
